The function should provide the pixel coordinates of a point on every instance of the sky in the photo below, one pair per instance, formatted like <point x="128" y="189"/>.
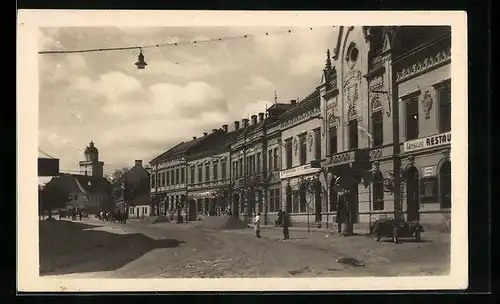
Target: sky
<point x="184" y="91"/>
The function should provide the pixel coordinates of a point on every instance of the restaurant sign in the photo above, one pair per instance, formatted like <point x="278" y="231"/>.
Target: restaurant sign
<point x="427" y="142"/>
<point x="302" y="170"/>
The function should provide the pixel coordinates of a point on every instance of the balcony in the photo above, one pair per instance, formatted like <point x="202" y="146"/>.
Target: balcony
<point x="348" y="157"/>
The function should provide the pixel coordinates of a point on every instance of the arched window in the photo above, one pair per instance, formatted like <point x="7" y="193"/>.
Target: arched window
<point x="445" y="185"/>
<point x="378" y="191"/>
<point x="332" y="199"/>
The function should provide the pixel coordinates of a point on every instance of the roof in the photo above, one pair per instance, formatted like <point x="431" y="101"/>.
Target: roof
<point x="134" y="175"/>
<point x="75" y="183"/>
<point x="311" y="101"/>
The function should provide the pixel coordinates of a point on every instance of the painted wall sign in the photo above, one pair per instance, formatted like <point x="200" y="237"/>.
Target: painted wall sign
<point x="302" y="170"/>
<point x="428" y="171"/>
<point x="427" y="142"/>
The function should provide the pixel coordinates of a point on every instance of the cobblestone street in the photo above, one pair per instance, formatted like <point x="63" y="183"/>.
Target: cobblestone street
<point x="169" y="250"/>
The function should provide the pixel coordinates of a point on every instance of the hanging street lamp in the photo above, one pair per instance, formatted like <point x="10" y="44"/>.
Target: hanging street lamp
<point x="141" y="64"/>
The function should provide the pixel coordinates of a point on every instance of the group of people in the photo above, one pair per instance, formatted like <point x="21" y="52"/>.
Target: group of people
<point x="118" y="216"/>
<point x="283" y="220"/>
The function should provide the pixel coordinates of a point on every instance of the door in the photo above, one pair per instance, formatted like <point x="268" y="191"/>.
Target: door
<point x="412" y="195"/>
<point x="317" y="202"/>
<point x="192" y="210"/>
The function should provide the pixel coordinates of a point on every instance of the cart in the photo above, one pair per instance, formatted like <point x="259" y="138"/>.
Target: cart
<point x="396" y="229"/>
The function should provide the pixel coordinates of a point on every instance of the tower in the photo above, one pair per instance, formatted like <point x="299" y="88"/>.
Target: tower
<point x="91" y="165"/>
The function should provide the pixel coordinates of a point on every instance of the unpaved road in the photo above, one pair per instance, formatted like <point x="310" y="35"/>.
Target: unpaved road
<point x="171" y="250"/>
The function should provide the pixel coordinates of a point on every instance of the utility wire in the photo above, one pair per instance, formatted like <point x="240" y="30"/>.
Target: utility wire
<point x="46" y="154"/>
<point x="168" y="44"/>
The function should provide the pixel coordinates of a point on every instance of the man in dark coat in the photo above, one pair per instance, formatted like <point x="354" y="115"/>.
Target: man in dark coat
<point x="286" y="224"/>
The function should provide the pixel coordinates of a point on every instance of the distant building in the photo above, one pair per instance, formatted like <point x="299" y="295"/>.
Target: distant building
<point x="131" y="191"/>
<point x="91" y="165"/>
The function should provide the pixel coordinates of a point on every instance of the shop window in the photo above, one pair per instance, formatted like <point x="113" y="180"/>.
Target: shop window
<point x="288" y="152"/>
<point x="353" y="134"/>
<point x="378" y="129"/>
<point x="332" y="135"/>
<point x="428" y="189"/>
<point x="302" y="149"/>
<point x="295" y="202"/>
<point x="412" y="118"/>
<point x="378" y="191"/>
<point x="445" y="185"/>
<point x="444" y="101"/>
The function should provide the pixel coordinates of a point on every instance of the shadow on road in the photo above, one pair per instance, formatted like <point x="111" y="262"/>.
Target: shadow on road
<point x="67" y="247"/>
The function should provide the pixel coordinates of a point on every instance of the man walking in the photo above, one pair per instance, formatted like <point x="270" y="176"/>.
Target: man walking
<point x="256" y="223"/>
<point x="285" y="222"/>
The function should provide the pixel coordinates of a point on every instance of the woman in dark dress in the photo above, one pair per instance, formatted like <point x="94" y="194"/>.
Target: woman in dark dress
<point x="286" y="224"/>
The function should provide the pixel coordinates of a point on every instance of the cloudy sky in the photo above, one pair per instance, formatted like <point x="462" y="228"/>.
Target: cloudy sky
<point x="184" y="91"/>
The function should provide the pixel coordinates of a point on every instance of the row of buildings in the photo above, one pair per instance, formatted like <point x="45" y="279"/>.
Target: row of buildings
<point x="384" y="101"/>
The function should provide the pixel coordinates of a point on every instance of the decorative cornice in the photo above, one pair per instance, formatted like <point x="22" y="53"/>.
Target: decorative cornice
<point x="421" y="66"/>
<point x="375" y="72"/>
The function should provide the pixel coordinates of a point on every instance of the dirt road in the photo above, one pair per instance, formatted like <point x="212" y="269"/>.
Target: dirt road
<point x="184" y="250"/>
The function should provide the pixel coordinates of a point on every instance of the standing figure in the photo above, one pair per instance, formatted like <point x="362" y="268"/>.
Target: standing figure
<point x="285" y="223"/>
<point x="256" y="223"/>
<point x="341" y="212"/>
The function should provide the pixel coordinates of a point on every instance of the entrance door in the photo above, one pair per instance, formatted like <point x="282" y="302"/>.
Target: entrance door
<point x="412" y="195"/>
<point x="317" y="202"/>
<point x="192" y="210"/>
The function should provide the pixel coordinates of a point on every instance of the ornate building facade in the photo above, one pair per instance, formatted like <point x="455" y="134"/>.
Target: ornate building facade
<point x="381" y="117"/>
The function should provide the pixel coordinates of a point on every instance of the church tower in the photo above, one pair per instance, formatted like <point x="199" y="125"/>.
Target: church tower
<point x="91" y="165"/>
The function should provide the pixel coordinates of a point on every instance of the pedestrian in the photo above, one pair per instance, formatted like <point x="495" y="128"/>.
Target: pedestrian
<point x="256" y="223"/>
<point x="285" y="223"/>
<point x="80" y="215"/>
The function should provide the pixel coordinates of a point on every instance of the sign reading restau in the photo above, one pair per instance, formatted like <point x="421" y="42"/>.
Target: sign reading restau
<point x="427" y="142"/>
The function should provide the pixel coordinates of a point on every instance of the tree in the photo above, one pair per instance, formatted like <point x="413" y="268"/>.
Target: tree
<point x="309" y="187"/>
<point x="116" y="175"/>
<point x="53" y="196"/>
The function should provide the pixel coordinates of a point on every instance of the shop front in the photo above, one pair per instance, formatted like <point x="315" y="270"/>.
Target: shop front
<point x="204" y="202"/>
<point x="427" y="180"/>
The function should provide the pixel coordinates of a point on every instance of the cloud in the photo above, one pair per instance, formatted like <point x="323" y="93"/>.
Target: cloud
<point x="305" y="63"/>
<point x="182" y="70"/>
<point x="258" y="83"/>
<point x="115" y="84"/>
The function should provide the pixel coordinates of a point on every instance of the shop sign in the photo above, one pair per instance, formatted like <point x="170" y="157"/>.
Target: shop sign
<point x="302" y="170"/>
<point x="427" y="142"/>
<point x="428" y="171"/>
<point x="209" y="194"/>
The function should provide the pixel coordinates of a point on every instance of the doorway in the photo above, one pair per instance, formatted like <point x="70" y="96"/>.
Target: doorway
<point x="192" y="210"/>
<point x="412" y="195"/>
<point x="317" y="202"/>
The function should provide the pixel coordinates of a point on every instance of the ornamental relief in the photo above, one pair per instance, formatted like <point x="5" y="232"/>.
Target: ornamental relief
<point x="427" y="104"/>
<point x="310" y="141"/>
<point x="333" y="119"/>
<point x="352" y="85"/>
<point x="422" y="65"/>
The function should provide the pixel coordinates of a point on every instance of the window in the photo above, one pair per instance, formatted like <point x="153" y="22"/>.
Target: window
<point x="182" y="175"/>
<point x="200" y="174"/>
<point x="445" y="185"/>
<point x="258" y="162"/>
<point x="303" y="202"/>
<point x="276" y="165"/>
<point x="172" y="177"/>
<point x="153" y="180"/>
<point x="353" y="134"/>
<point x="274" y="200"/>
<point x="378" y="191"/>
<point x="235" y="169"/>
<point x="207" y="173"/>
<point x="191" y="174"/>
<point x="240" y="170"/>
<point x="295" y="202"/>
<point x="215" y="171"/>
<point x="288" y="152"/>
<point x="412" y="118"/>
<point x="254" y="165"/>
<point x="223" y="170"/>
<point x="302" y="149"/>
<point x="332" y="137"/>
<point x="317" y="144"/>
<point x="176" y="176"/>
<point x="167" y="177"/>
<point x="444" y="100"/>
<point x="162" y="181"/>
<point x="270" y="160"/>
<point x="378" y="129"/>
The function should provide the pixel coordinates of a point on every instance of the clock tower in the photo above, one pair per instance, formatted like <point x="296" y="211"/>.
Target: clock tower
<point x="91" y="165"/>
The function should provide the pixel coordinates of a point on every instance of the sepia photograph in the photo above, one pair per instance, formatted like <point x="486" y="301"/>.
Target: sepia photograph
<point x="284" y="147"/>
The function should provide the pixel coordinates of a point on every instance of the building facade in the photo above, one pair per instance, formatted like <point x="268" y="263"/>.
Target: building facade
<point x="376" y="133"/>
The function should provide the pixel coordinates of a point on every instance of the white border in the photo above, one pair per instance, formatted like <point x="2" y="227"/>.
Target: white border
<point x="27" y="108"/>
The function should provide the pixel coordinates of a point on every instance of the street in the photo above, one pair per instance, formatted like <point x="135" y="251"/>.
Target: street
<point x="96" y="249"/>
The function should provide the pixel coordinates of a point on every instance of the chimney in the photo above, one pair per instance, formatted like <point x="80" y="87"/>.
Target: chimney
<point x="293" y="102"/>
<point x="254" y="119"/>
<point x="261" y="117"/>
<point x="244" y="122"/>
<point x="214" y="130"/>
<point x="236" y="125"/>
<point x="138" y="162"/>
<point x="205" y="133"/>
<point x="194" y="137"/>
<point x="224" y="127"/>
